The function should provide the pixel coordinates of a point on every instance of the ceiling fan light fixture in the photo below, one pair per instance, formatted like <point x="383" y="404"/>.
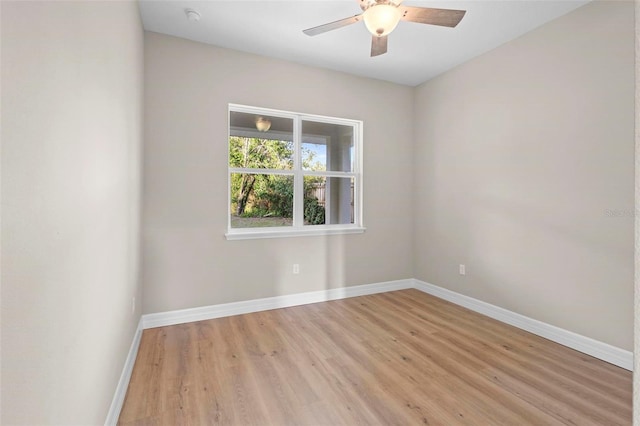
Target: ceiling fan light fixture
<point x="381" y="19"/>
<point x="263" y="124"/>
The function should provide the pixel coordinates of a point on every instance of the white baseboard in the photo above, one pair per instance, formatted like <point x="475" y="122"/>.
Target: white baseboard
<point x="236" y="308"/>
<point x="600" y="350"/>
<point x="123" y="384"/>
<point x="620" y="357"/>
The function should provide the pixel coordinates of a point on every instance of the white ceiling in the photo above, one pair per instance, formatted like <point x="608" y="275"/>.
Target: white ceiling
<point x="417" y="52"/>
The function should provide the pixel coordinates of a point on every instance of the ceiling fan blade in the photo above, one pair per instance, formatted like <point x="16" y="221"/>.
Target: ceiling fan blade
<point x="378" y="45"/>
<point x="427" y="15"/>
<point x="332" y="25"/>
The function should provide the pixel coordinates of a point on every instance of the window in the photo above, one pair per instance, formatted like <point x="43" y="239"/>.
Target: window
<point x="293" y="174"/>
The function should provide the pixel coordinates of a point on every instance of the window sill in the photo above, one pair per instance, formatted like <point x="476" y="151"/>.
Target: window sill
<point x="243" y="234"/>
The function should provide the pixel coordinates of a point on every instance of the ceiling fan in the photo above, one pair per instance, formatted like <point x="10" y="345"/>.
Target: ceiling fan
<point x="382" y="16"/>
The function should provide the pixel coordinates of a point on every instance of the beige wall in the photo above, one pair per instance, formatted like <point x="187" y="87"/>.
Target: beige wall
<point x="71" y="137"/>
<point x="520" y="153"/>
<point x="187" y="261"/>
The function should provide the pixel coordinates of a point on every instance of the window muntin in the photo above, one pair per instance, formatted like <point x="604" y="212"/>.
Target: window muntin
<point x="298" y="174"/>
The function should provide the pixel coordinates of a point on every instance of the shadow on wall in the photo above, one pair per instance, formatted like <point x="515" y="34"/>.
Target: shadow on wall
<point x="336" y="261"/>
<point x="321" y="262"/>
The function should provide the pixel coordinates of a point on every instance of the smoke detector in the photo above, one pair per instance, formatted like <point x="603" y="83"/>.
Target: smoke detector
<point x="192" y="15"/>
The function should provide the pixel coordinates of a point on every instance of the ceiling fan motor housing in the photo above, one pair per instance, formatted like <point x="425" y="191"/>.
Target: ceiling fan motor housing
<point x="366" y="4"/>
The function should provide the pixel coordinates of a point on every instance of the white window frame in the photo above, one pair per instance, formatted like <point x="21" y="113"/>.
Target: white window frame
<point x="298" y="229"/>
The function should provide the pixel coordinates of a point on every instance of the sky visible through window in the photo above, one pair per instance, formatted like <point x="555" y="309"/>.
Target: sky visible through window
<point x="320" y="153"/>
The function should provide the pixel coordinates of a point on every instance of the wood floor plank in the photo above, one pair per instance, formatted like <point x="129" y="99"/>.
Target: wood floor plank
<point x="401" y="357"/>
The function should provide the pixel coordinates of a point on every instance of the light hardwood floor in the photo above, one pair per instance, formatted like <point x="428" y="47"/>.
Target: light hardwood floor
<point x="398" y="358"/>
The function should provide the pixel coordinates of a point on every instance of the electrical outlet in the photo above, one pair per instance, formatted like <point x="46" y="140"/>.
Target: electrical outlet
<point x="296" y="268"/>
<point x="462" y="269"/>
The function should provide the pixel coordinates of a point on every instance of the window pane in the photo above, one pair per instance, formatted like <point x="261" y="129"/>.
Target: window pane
<point x="259" y="201"/>
<point x="327" y="147"/>
<point x="328" y="200"/>
<point x="314" y="154"/>
<point x="260" y="141"/>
